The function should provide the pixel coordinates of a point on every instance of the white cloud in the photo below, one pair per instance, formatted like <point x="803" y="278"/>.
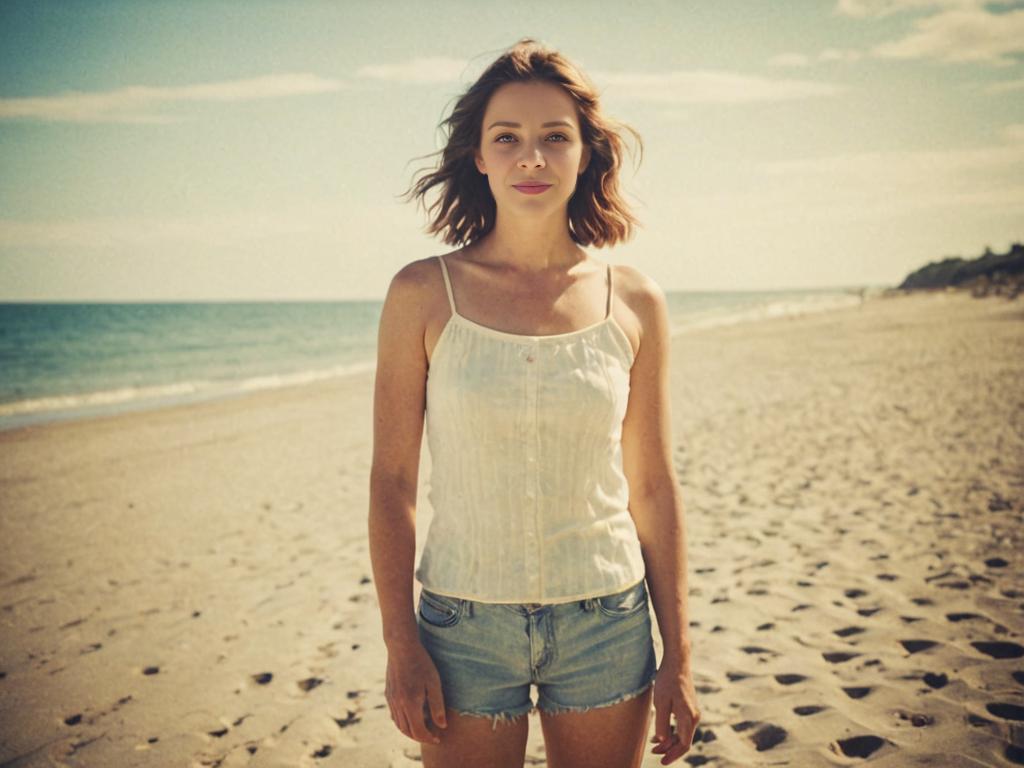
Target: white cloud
<point x="244" y="228"/>
<point x="707" y="87"/>
<point x="839" y="54"/>
<point x="793" y="59"/>
<point x="697" y="86"/>
<point x="138" y="103"/>
<point x="948" y="30"/>
<point x="959" y="35"/>
<point x="1013" y="132"/>
<point x="1004" y="86"/>
<point x="431" y="69"/>
<point x="790" y="60"/>
<point x="866" y="184"/>
<point x="876" y="9"/>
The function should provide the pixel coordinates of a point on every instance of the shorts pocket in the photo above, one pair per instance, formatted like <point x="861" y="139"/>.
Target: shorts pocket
<point x="625" y="603"/>
<point x="439" y="610"/>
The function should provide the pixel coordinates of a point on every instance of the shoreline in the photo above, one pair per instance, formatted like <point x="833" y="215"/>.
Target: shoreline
<point x="97" y="404"/>
<point x="853" y="511"/>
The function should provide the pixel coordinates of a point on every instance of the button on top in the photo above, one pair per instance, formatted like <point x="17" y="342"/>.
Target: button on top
<point x="529" y="358"/>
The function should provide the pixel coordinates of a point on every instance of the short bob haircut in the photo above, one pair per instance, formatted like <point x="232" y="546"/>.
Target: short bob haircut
<point x="598" y="215"/>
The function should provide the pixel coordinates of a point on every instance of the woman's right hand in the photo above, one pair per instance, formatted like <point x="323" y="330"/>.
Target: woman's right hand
<point x="412" y="689"/>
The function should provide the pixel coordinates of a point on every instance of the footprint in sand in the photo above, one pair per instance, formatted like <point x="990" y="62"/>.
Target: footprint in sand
<point x="999" y="649"/>
<point x="916" y="646"/>
<point x="752" y="649"/>
<point x="933" y="680"/>
<point x="857" y="692"/>
<point x="1006" y="711"/>
<point x="916" y="719"/>
<point x="838" y="657"/>
<point x="768" y="736"/>
<point x="351" y="718"/>
<point x="309" y="683"/>
<point x="859" y="746"/>
<point x="790" y="679"/>
<point x="808" y="709"/>
<point x="848" y="631"/>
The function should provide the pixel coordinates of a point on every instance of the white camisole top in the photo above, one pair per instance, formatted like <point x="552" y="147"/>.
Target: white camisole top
<point x="531" y="504"/>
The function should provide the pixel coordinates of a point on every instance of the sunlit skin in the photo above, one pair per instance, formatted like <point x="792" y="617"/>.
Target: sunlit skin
<point x="531" y="230"/>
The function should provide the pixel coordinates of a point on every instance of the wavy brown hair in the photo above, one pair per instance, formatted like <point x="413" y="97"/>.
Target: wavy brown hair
<point x="466" y="210"/>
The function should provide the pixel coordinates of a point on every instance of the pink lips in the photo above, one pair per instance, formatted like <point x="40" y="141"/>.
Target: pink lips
<point x="531" y="189"/>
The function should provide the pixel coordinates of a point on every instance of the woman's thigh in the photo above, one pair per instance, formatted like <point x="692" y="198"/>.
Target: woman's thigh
<point x="606" y="737"/>
<point x="475" y="741"/>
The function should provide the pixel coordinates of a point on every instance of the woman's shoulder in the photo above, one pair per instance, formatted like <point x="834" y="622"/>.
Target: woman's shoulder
<point x="424" y="272"/>
<point x="418" y="287"/>
<point x="638" y="290"/>
<point x="417" y="272"/>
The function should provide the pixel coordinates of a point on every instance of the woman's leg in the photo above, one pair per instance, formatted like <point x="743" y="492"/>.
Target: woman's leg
<point x="470" y="741"/>
<point x="605" y="737"/>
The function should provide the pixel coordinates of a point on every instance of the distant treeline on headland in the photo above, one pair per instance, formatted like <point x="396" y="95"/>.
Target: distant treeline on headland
<point x="991" y="274"/>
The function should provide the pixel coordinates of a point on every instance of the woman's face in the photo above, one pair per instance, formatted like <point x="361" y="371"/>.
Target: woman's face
<point x="523" y="148"/>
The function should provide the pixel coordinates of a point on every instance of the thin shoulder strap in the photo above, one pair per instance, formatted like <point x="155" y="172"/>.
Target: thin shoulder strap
<point x="611" y="292"/>
<point x="447" y="284"/>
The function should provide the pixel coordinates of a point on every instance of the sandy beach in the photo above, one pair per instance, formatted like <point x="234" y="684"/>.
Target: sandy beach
<point x="191" y="586"/>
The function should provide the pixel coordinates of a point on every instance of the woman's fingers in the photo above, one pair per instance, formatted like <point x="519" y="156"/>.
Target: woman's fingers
<point x="681" y="741"/>
<point x="435" y="701"/>
<point x="402" y="722"/>
<point x="662" y="726"/>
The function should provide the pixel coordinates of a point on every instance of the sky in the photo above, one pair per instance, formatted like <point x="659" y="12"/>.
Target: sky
<point x="253" y="150"/>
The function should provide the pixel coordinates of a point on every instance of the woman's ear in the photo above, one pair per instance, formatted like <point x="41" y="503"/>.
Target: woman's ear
<point x="479" y="160"/>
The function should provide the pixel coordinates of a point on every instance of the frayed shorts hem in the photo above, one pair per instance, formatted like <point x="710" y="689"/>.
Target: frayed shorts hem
<point x="555" y="709"/>
<point x="549" y="708"/>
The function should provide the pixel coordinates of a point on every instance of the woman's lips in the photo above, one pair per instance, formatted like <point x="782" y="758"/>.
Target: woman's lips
<point x="531" y="189"/>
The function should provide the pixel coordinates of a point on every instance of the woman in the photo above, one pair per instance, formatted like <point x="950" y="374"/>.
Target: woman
<point x="542" y="377"/>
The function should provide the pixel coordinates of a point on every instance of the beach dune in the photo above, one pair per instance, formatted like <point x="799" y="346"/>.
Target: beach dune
<point x="191" y="586"/>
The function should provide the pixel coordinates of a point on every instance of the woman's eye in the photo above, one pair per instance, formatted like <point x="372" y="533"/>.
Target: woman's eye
<point x="510" y="136"/>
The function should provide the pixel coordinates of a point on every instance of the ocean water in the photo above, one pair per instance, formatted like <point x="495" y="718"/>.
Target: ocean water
<point x="77" y="360"/>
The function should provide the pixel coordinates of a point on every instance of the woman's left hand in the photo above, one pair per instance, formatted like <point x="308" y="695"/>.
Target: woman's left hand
<point x="674" y="694"/>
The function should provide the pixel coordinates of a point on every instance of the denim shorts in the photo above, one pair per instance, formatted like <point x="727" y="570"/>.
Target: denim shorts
<point x="583" y="654"/>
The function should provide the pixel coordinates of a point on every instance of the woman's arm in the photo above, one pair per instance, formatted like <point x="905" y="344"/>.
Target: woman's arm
<point x="655" y="501"/>
<point x="656" y="505"/>
<point x="398" y="413"/>
<point x="398" y="406"/>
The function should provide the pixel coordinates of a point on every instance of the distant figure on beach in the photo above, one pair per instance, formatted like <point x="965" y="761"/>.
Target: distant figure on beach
<point x="542" y="378"/>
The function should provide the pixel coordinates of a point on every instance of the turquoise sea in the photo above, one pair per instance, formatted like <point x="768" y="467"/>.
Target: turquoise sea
<point x="76" y="360"/>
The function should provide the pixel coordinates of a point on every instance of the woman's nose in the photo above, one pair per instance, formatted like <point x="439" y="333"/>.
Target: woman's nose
<point x="533" y="157"/>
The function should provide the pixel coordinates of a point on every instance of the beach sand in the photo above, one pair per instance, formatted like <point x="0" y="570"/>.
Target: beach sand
<point x="190" y="586"/>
